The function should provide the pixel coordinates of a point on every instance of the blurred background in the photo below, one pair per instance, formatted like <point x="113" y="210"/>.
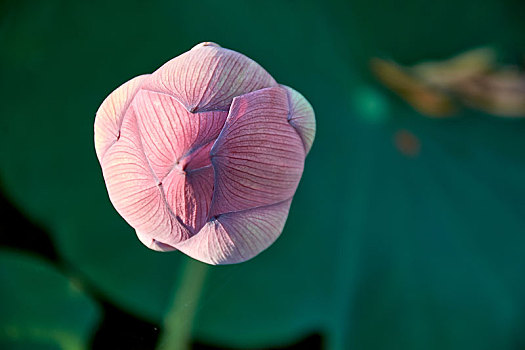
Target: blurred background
<point x="407" y="230"/>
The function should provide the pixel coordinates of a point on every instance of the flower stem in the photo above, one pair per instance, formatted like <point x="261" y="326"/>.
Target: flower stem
<point x="176" y="333"/>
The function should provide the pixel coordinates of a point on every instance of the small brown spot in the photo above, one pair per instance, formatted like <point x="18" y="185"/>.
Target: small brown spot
<point x="118" y="135"/>
<point x="206" y="43"/>
<point x="407" y="143"/>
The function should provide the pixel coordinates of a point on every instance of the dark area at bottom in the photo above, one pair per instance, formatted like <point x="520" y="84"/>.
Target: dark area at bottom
<point x="118" y="328"/>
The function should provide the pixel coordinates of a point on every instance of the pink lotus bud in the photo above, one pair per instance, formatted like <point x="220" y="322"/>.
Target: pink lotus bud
<point x="205" y="154"/>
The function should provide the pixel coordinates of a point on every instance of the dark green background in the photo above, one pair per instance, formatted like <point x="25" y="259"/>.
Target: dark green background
<point x="380" y="251"/>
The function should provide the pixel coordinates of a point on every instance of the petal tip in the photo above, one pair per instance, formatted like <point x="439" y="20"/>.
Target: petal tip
<point x="206" y="43"/>
<point x="301" y="116"/>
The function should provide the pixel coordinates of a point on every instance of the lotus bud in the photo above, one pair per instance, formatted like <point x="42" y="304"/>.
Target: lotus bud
<point x="205" y="154"/>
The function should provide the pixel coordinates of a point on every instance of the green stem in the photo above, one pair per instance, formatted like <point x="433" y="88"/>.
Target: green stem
<point x="176" y="333"/>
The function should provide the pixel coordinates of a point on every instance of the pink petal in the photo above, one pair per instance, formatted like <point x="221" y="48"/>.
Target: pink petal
<point x="189" y="195"/>
<point x="198" y="158"/>
<point x="152" y="243"/>
<point x="208" y="77"/>
<point x="301" y="117"/>
<point x="169" y="132"/>
<point x="134" y="190"/>
<point x="236" y="237"/>
<point x="258" y="157"/>
<point x="110" y="114"/>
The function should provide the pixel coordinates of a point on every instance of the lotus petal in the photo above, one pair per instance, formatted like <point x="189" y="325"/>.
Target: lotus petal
<point x="169" y="132"/>
<point x="236" y="237"/>
<point x="208" y="77"/>
<point x="301" y="116"/>
<point x="189" y="195"/>
<point x="111" y="112"/>
<point x="258" y="157"/>
<point x="134" y="190"/>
